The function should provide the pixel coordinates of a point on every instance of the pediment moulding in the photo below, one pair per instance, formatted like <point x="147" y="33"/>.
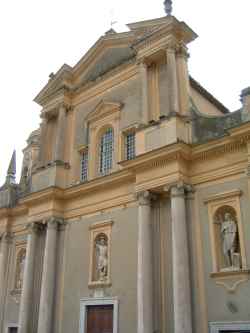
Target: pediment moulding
<point x="155" y="34"/>
<point x="103" y="109"/>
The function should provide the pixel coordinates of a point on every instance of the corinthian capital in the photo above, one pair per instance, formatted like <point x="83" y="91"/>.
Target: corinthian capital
<point x="6" y="237"/>
<point x="179" y="190"/>
<point x="145" y="197"/>
<point x="34" y="227"/>
<point x="55" y="222"/>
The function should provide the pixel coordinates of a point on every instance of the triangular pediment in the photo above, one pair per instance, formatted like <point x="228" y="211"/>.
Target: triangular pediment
<point x="108" y="52"/>
<point x="103" y="109"/>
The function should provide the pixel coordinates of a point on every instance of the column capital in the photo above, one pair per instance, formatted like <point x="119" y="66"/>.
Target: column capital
<point x="172" y="47"/>
<point x="55" y="222"/>
<point x="34" y="227"/>
<point x="145" y="197"/>
<point x="179" y="190"/>
<point x="182" y="51"/>
<point x="65" y="107"/>
<point x="6" y="237"/>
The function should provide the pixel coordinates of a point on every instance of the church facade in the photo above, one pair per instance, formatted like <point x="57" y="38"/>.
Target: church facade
<point x="132" y="212"/>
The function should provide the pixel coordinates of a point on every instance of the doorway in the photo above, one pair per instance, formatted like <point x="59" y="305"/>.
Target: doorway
<point x="99" y="319"/>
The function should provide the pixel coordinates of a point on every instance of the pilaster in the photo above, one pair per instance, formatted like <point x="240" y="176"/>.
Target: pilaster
<point x="60" y="133"/>
<point x="42" y="152"/>
<point x="183" y="79"/>
<point x="145" y="91"/>
<point x="248" y="167"/>
<point x="172" y="79"/>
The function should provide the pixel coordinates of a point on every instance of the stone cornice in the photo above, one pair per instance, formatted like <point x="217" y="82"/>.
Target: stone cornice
<point x="54" y="193"/>
<point x="12" y="212"/>
<point x="98" y="183"/>
<point x="224" y="195"/>
<point x="47" y="194"/>
<point x="179" y="30"/>
<point x="159" y="156"/>
<point x="235" y="142"/>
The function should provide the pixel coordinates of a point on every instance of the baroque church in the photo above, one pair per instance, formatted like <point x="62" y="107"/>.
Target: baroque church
<point x="132" y="213"/>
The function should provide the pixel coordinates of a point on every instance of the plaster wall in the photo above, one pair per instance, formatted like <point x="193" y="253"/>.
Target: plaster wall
<point x="123" y="268"/>
<point x="128" y="93"/>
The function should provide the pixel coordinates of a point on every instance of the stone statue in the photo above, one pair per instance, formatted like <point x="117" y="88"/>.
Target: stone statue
<point x="229" y="233"/>
<point x="102" y="258"/>
<point x="20" y="269"/>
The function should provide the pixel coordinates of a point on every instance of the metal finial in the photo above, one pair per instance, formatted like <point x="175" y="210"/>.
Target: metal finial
<point x="168" y="7"/>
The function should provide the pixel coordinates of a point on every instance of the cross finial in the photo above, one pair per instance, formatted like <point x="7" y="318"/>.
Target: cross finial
<point x="168" y="7"/>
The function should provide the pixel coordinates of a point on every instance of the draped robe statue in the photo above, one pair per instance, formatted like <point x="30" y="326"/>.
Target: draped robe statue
<point x="229" y="233"/>
<point x="102" y="258"/>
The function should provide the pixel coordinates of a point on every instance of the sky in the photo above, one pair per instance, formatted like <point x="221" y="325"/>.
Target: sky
<point x="38" y="36"/>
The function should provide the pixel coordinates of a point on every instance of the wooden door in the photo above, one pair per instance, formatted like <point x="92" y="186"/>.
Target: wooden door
<point x="100" y="319"/>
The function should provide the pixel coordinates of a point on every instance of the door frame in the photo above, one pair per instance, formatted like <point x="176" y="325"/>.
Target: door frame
<point x="85" y="302"/>
<point x="216" y="327"/>
<point x="11" y="326"/>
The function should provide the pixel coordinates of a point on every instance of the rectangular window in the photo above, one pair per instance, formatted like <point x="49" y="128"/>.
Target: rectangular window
<point x="130" y="146"/>
<point x="84" y="166"/>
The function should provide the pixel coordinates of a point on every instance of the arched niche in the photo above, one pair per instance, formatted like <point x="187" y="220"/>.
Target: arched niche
<point x="227" y="240"/>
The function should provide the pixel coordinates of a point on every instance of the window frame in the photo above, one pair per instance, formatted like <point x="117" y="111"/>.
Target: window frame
<point x="125" y="144"/>
<point x="11" y="326"/>
<point x="84" y="152"/>
<point x="106" y="151"/>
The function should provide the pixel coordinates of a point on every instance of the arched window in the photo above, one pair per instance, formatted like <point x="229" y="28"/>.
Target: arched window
<point x="106" y="151"/>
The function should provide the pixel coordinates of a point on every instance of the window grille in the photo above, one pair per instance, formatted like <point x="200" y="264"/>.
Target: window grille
<point x="84" y="166"/>
<point x="130" y="146"/>
<point x="106" y="152"/>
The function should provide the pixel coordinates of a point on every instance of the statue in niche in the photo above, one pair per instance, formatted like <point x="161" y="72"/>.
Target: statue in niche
<point x="20" y="263"/>
<point x="229" y="240"/>
<point x="101" y="257"/>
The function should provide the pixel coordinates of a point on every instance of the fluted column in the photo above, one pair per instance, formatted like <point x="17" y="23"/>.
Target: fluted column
<point x="60" y="134"/>
<point x="172" y="79"/>
<point x="145" y="269"/>
<point x="48" y="278"/>
<point x="5" y="240"/>
<point x="144" y="85"/>
<point x="181" y="277"/>
<point x="27" y="288"/>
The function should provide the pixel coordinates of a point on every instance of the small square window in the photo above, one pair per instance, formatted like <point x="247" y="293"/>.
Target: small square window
<point x="130" y="146"/>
